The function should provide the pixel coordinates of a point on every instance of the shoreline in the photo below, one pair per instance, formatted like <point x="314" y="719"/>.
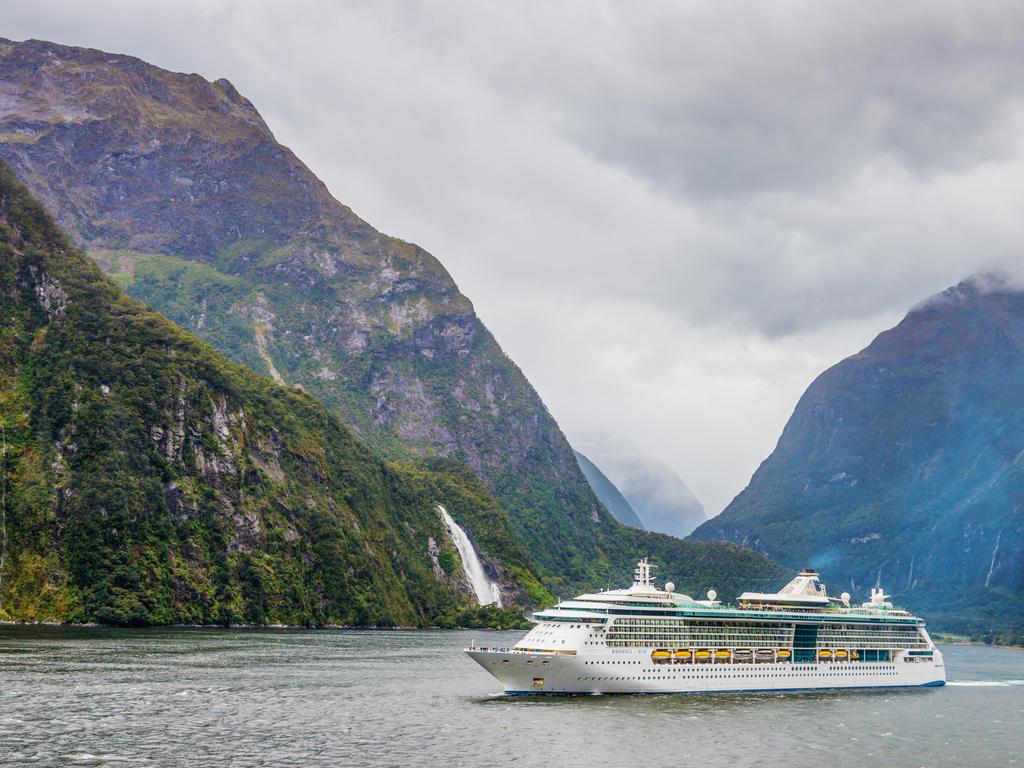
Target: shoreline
<point x="278" y="627"/>
<point x="949" y="640"/>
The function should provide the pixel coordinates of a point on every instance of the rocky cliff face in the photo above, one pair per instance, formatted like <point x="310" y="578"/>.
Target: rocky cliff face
<point x="904" y="464"/>
<point x="180" y="192"/>
<point x="146" y="479"/>
<point x="178" y="189"/>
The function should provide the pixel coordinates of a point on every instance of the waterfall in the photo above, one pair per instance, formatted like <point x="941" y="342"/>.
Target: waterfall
<point x="487" y="591"/>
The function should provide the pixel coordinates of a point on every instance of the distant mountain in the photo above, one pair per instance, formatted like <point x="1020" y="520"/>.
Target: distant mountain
<point x="904" y="465"/>
<point x="608" y="494"/>
<point x="147" y="480"/>
<point x="178" y="189"/>
<point x="654" y="491"/>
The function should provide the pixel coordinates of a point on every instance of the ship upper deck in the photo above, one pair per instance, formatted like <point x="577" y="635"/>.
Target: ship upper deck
<point x="803" y="600"/>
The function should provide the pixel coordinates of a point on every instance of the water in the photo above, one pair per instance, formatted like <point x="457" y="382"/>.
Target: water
<point x="180" y="697"/>
<point x="487" y="591"/>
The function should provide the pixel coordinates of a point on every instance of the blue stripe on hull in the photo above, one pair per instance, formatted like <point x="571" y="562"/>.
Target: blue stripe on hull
<point x="933" y="684"/>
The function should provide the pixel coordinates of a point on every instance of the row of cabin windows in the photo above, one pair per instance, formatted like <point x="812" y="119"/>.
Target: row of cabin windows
<point x="697" y="676"/>
<point x="703" y="626"/>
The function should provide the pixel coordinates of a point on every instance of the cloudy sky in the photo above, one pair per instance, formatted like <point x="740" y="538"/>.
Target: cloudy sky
<point x="673" y="215"/>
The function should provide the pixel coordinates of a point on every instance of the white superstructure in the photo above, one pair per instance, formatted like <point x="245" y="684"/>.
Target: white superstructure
<point x="650" y="640"/>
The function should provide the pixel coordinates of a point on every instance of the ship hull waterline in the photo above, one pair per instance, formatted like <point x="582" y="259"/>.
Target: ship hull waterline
<point x="555" y="674"/>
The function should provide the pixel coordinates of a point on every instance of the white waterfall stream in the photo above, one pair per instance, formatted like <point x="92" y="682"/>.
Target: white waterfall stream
<point x="487" y="591"/>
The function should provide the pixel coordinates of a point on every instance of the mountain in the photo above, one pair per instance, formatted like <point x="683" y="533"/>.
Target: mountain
<point x="608" y="494"/>
<point x="657" y="494"/>
<point x="904" y="465"/>
<point x="178" y="190"/>
<point x="145" y="479"/>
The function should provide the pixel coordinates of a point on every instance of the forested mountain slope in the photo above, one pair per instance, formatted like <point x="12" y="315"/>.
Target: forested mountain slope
<point x="904" y="465"/>
<point x="179" y="190"/>
<point x="177" y="187"/>
<point x="146" y="479"/>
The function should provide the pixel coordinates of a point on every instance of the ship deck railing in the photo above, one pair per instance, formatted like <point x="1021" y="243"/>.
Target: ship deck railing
<point x="506" y="649"/>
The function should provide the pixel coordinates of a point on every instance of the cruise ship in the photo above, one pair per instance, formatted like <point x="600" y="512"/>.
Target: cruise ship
<point x="647" y="639"/>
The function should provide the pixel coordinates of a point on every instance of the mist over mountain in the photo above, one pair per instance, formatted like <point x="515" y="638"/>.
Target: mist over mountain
<point x="608" y="494"/>
<point x="654" y="491"/>
<point x="903" y="465"/>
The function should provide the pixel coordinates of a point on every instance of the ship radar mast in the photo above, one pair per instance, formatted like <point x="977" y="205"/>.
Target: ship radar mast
<point x="878" y="599"/>
<point x="642" y="574"/>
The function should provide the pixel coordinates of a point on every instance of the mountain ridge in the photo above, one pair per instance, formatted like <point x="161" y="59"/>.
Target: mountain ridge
<point x="901" y="465"/>
<point x="147" y="480"/>
<point x="177" y="187"/>
<point x="221" y="232"/>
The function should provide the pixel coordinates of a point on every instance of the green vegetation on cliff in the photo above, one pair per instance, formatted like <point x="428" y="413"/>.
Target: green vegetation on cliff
<point x="180" y="191"/>
<point x="902" y="465"/>
<point x="146" y="479"/>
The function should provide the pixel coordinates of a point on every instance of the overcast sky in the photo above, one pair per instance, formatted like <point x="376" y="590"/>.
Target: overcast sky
<point x="673" y="216"/>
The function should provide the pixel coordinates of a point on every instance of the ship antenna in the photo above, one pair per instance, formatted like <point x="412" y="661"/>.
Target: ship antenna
<point x="642" y="573"/>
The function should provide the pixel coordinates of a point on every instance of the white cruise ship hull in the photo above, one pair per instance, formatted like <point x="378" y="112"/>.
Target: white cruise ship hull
<point x="632" y="671"/>
<point x="649" y="640"/>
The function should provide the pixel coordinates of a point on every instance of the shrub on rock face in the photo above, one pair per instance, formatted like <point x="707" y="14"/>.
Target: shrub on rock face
<point x="148" y="480"/>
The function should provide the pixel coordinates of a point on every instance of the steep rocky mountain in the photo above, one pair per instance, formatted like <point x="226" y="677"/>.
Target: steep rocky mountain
<point x="177" y="188"/>
<point x="608" y="494"/>
<point x="146" y="479"/>
<point x="654" y="490"/>
<point x="904" y="465"/>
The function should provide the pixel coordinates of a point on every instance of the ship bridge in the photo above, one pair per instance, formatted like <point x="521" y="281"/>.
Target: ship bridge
<point x="805" y="591"/>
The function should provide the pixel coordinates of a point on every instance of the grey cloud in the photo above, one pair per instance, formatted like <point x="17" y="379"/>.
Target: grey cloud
<point x="715" y="100"/>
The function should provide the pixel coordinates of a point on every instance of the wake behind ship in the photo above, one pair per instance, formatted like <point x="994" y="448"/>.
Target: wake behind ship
<point x="650" y="640"/>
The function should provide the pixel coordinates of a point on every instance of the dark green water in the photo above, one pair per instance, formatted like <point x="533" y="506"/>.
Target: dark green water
<point x="91" y="697"/>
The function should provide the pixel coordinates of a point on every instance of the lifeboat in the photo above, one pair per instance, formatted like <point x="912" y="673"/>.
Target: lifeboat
<point x="783" y="653"/>
<point x="854" y="655"/>
<point x="765" y="654"/>
<point x="841" y="654"/>
<point x="702" y="655"/>
<point x="661" y="655"/>
<point x="683" y="654"/>
<point x="722" y="654"/>
<point x="742" y="654"/>
<point x="825" y="653"/>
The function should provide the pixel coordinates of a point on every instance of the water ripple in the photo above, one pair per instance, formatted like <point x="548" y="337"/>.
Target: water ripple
<point x="101" y="697"/>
